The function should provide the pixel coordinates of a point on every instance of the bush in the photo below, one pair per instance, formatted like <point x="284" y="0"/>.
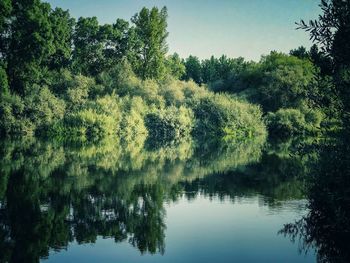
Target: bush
<point x="91" y="124"/>
<point x="170" y="123"/>
<point x="77" y="92"/>
<point x="287" y="122"/>
<point x="43" y="108"/>
<point x="172" y="92"/>
<point x="120" y="79"/>
<point x="97" y="119"/>
<point x="221" y="114"/>
<point x="132" y="124"/>
<point x="12" y="116"/>
<point x="39" y="110"/>
<point x="4" y="85"/>
<point x="121" y="104"/>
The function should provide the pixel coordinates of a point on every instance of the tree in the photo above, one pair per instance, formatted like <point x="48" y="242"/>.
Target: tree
<point x="31" y="44"/>
<point x="115" y="41"/>
<point x="321" y="60"/>
<point x="88" y="50"/>
<point x="62" y="26"/>
<point x="193" y="69"/>
<point x="151" y="46"/>
<point x="5" y="12"/>
<point x="284" y="81"/>
<point x="175" y="66"/>
<point x="209" y="69"/>
<point x="331" y="31"/>
<point x="300" y="52"/>
<point x="98" y="48"/>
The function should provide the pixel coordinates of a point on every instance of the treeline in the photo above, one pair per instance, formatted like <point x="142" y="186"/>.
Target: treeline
<point x="68" y="78"/>
<point x="36" y="39"/>
<point x="79" y="79"/>
<point x="302" y="92"/>
<point x="295" y="91"/>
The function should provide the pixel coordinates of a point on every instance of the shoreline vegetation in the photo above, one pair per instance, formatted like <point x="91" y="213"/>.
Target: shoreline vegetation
<point x="80" y="80"/>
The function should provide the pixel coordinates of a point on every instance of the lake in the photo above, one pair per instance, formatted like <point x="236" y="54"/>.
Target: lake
<point x="189" y="201"/>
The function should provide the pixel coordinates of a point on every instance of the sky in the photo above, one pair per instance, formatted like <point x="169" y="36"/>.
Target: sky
<point x="247" y="28"/>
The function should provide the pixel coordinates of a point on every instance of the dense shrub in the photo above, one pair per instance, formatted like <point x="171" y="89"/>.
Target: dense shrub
<point x="277" y="81"/>
<point x="78" y="91"/>
<point x="222" y="115"/>
<point x="119" y="79"/>
<point x="90" y="123"/>
<point x="170" y="123"/>
<point x="35" y="113"/>
<point x="12" y="120"/>
<point x="173" y="93"/>
<point x="4" y="85"/>
<point x="118" y="103"/>
<point x="132" y="123"/>
<point x="43" y="108"/>
<point x="287" y="122"/>
<point x="286" y="80"/>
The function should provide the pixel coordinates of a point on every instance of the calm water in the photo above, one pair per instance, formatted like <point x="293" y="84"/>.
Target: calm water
<point x="182" y="202"/>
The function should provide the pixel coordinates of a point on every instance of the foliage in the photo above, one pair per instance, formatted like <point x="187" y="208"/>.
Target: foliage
<point x="4" y="85"/>
<point x="43" y="109"/>
<point x="89" y="123"/>
<point x="77" y="91"/>
<point x="286" y="122"/>
<point x="300" y="52"/>
<point x="285" y="81"/>
<point x="62" y="26"/>
<point x="12" y="120"/>
<point x="193" y="69"/>
<point x="222" y="114"/>
<point x="30" y="44"/>
<point x="150" y="29"/>
<point x="132" y="124"/>
<point x="83" y="80"/>
<point x="331" y="32"/>
<point x="175" y="66"/>
<point x="170" y="123"/>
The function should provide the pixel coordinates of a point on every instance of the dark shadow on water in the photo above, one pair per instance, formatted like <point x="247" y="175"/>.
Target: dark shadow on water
<point x="326" y="227"/>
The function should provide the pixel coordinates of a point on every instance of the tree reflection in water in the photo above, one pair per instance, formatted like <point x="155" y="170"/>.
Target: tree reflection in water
<point x="326" y="227"/>
<point x="52" y="194"/>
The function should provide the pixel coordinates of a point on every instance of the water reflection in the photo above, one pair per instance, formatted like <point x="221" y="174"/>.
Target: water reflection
<point x="326" y="227"/>
<point x="52" y="194"/>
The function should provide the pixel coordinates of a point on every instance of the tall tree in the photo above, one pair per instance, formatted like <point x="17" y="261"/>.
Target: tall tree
<point x="300" y="52"/>
<point x="321" y="60"/>
<point x="209" y="69"/>
<point x="88" y="49"/>
<point x="151" y="47"/>
<point x="193" y="69"/>
<point x="331" y="31"/>
<point x="62" y="26"/>
<point x="175" y="66"/>
<point x="31" y="43"/>
<point x="5" y="13"/>
<point x="115" y="41"/>
<point x="98" y="48"/>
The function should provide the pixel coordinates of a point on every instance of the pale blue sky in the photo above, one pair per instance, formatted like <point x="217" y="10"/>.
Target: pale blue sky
<point x="247" y="28"/>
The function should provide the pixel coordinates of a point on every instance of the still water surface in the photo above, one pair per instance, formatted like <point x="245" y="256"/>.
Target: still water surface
<point x="204" y="230"/>
<point x="182" y="202"/>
